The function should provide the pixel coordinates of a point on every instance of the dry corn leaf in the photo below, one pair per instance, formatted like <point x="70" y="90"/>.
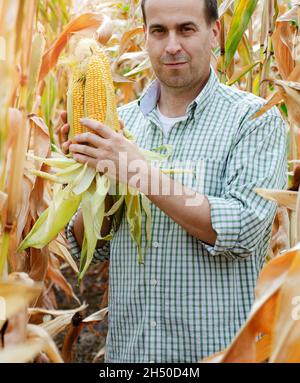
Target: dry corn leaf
<point x="22" y="353"/>
<point x="56" y="313"/>
<point x="18" y="295"/>
<point x="49" y="347"/>
<point x="126" y="38"/>
<point x="262" y="351"/>
<point x="63" y="252"/>
<point x="291" y="95"/>
<point x="19" y="127"/>
<point x="3" y="199"/>
<point x="277" y="97"/>
<point x="90" y="21"/>
<point x="54" y="274"/>
<point x="262" y="317"/>
<point x="282" y="43"/>
<point x="104" y="32"/>
<point x="96" y="317"/>
<point x="282" y="197"/>
<point x="38" y="263"/>
<point x="74" y="330"/>
<point x="286" y="333"/>
<point x="100" y="353"/>
<point x="58" y="324"/>
<point x="280" y="232"/>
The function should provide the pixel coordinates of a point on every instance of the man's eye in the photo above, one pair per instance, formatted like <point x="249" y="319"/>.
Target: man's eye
<point x="187" y="29"/>
<point x="157" y="30"/>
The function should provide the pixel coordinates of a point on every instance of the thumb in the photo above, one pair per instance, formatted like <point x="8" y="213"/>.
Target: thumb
<point x="122" y="126"/>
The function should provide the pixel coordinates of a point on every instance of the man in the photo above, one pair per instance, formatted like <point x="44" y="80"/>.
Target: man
<point x="195" y="287"/>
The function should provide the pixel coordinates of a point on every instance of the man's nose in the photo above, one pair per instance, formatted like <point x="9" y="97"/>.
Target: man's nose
<point x="173" y="44"/>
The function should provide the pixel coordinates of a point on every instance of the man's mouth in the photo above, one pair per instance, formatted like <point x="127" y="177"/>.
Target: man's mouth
<point x="175" y="65"/>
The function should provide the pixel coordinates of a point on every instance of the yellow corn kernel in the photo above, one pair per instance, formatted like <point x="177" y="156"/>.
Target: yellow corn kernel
<point x="111" y="118"/>
<point x="95" y="103"/>
<point x="76" y="106"/>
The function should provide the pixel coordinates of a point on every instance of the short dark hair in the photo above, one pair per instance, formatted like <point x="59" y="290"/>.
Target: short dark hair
<point x="211" y="10"/>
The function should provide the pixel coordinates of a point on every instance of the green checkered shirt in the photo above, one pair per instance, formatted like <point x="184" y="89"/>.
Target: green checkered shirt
<point x="189" y="299"/>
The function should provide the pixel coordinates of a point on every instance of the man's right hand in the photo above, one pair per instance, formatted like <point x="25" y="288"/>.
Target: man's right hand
<point x="78" y="229"/>
<point x="64" y="131"/>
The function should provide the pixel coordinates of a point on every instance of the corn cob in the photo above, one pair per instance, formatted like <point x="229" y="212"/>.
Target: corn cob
<point x="91" y="93"/>
<point x="77" y="101"/>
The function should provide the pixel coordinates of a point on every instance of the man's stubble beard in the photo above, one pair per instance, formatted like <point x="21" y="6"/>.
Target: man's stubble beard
<point x="175" y="81"/>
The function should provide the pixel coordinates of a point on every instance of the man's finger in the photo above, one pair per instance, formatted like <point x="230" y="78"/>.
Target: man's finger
<point x="64" y="117"/>
<point x="85" y="159"/>
<point x="64" y="131"/>
<point x="121" y="122"/>
<point x="65" y="146"/>
<point x="122" y="127"/>
<point x="99" y="128"/>
<point x="89" y="138"/>
<point x="84" y="149"/>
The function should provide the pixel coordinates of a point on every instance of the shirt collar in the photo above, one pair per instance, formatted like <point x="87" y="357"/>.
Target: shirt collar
<point x="148" y="101"/>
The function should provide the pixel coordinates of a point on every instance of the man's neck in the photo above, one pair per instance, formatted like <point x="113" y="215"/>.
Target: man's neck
<point x="174" y="102"/>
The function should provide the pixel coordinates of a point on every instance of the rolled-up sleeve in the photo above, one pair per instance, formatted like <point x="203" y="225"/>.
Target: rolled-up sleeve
<point x="240" y="216"/>
<point x="100" y="254"/>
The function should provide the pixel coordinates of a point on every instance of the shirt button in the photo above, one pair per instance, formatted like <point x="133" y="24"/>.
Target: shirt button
<point x="153" y="282"/>
<point x="153" y="324"/>
<point x="156" y="244"/>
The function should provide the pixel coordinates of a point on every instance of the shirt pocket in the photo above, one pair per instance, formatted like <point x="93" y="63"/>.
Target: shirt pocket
<point x="205" y="175"/>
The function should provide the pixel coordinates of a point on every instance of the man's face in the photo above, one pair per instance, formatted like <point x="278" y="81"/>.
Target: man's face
<point x="179" y="41"/>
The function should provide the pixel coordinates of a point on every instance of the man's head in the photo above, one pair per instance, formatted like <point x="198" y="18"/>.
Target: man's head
<point x="210" y="9"/>
<point x="183" y="33"/>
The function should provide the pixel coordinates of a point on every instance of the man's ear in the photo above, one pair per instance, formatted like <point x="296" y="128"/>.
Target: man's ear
<point x="215" y="34"/>
<point x="145" y="35"/>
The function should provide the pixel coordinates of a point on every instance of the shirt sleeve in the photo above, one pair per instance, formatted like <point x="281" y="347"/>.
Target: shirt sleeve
<point x="240" y="216"/>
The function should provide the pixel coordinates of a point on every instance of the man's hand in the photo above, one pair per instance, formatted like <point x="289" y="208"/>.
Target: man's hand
<point x="64" y="131"/>
<point x="109" y="152"/>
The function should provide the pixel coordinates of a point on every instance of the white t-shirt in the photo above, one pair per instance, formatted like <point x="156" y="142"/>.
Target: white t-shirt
<point x="167" y="122"/>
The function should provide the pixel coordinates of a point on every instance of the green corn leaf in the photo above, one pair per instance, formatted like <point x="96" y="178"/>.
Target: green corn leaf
<point x="134" y="219"/>
<point x="48" y="102"/>
<point x="87" y="178"/>
<point x="93" y="210"/>
<point x="147" y="209"/>
<point x="59" y="213"/>
<point x="241" y="73"/>
<point x="239" y="24"/>
<point x="60" y="162"/>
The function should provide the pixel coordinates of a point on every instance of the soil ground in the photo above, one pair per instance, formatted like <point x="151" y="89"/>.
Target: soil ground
<point x="91" y="291"/>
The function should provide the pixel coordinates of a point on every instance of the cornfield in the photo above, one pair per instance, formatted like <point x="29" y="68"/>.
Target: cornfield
<point x="259" y="52"/>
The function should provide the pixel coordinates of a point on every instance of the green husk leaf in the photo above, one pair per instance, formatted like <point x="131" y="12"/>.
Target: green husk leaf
<point x="147" y="209"/>
<point x="134" y="219"/>
<point x="93" y="210"/>
<point x="57" y="162"/>
<point x="87" y="178"/>
<point x="59" y="213"/>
